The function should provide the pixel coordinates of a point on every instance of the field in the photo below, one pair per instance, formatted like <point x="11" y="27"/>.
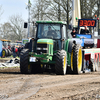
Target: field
<point x="48" y="86"/>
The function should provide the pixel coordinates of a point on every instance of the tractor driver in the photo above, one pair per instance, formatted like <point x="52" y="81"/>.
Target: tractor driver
<point x="51" y="32"/>
<point x="85" y="31"/>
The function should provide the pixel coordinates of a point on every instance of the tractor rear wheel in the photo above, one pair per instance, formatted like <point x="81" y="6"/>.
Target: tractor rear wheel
<point x="9" y="52"/>
<point x="77" y="59"/>
<point x="26" y="45"/>
<point x="61" y="62"/>
<point x="25" y="68"/>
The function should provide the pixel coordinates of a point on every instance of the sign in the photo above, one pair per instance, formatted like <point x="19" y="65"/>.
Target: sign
<point x="24" y="41"/>
<point x="32" y="59"/>
<point x="87" y="22"/>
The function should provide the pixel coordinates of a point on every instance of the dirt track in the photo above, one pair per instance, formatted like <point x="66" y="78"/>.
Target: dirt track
<point x="16" y="86"/>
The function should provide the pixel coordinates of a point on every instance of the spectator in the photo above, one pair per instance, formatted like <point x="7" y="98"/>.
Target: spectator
<point x="9" y="47"/>
<point x="19" y="50"/>
<point x="73" y="33"/>
<point x="16" y="51"/>
<point x="22" y="47"/>
<point x="13" y="50"/>
<point x="85" y="31"/>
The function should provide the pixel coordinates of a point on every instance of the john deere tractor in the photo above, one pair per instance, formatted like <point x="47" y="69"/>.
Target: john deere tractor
<point x="51" y="50"/>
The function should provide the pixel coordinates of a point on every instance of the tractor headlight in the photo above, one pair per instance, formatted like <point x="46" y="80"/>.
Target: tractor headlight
<point x="39" y="48"/>
<point x="45" y="48"/>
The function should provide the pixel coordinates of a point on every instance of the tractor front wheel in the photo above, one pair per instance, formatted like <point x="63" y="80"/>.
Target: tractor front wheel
<point x="25" y="68"/>
<point x="61" y="62"/>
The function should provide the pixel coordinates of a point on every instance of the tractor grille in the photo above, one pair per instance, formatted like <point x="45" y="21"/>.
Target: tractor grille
<point x="42" y="48"/>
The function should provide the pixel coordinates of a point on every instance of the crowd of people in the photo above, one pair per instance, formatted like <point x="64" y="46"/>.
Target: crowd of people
<point x="16" y="50"/>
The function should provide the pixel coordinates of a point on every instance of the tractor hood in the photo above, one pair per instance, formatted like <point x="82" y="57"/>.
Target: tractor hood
<point x="45" y="41"/>
<point x="45" y="46"/>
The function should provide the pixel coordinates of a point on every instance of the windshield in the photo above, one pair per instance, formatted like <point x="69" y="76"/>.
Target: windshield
<point x="49" y="31"/>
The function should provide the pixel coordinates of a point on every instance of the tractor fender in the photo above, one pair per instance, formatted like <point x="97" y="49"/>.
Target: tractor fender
<point x="70" y="45"/>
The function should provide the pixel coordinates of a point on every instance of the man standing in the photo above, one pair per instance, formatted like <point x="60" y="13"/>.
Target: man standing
<point x="19" y="50"/>
<point x="13" y="50"/>
<point x="85" y="31"/>
<point x="73" y="33"/>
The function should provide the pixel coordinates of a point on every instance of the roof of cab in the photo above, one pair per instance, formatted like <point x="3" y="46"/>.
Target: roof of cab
<point x="52" y="22"/>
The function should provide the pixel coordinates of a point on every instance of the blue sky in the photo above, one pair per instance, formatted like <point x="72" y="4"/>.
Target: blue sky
<point x="13" y="7"/>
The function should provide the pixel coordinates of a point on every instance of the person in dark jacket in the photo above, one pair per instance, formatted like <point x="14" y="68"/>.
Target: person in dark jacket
<point x="13" y="50"/>
<point x="85" y="31"/>
<point x="19" y="50"/>
<point x="73" y="33"/>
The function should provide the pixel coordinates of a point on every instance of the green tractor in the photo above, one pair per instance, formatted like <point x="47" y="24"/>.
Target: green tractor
<point x="52" y="49"/>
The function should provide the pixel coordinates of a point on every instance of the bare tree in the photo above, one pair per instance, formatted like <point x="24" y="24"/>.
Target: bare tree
<point x="18" y="31"/>
<point x="62" y="9"/>
<point x="88" y="8"/>
<point x="52" y="10"/>
<point x="6" y="30"/>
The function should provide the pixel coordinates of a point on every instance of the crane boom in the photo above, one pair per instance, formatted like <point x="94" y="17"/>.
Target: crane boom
<point x="76" y="12"/>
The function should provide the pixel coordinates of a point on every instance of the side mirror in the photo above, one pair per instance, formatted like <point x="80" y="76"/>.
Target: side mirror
<point x="25" y="25"/>
<point x="36" y="24"/>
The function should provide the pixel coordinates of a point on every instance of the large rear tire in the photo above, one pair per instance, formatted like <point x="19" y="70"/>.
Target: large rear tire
<point x="6" y="52"/>
<point x="25" y="68"/>
<point x="9" y="52"/>
<point x="61" y="62"/>
<point x="77" y="59"/>
<point x="27" y="45"/>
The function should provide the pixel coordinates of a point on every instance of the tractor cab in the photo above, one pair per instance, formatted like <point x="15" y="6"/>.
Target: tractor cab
<point x="51" y="29"/>
<point x="51" y="33"/>
<point x="5" y="43"/>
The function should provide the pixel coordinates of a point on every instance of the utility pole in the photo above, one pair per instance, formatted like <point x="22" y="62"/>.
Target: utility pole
<point x="67" y="14"/>
<point x="59" y="12"/>
<point x="28" y="6"/>
<point x="98" y="15"/>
